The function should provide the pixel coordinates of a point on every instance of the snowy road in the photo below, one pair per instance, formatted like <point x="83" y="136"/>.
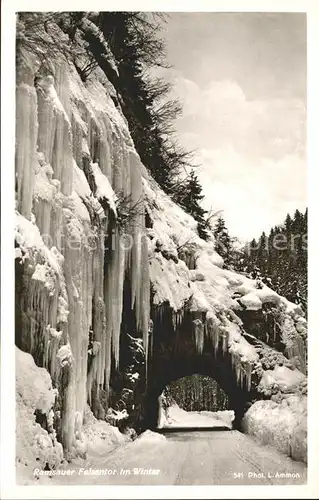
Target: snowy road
<point x="187" y="457"/>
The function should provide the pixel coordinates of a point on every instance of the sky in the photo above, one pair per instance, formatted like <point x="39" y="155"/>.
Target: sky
<point x="241" y="78"/>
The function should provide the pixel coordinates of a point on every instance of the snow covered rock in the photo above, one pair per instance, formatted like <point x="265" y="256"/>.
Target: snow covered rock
<point x="282" y="425"/>
<point x="100" y="434"/>
<point x="281" y="379"/>
<point x="37" y="445"/>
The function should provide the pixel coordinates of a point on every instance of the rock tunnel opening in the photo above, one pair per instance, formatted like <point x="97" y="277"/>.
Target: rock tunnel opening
<point x="194" y="401"/>
<point x="196" y="393"/>
<point x="218" y="368"/>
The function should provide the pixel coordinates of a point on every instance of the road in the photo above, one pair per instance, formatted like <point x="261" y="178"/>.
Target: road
<point x="187" y="457"/>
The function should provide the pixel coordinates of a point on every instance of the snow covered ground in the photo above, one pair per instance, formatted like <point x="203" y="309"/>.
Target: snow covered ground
<point x="187" y="457"/>
<point x="37" y="444"/>
<point x="177" y="417"/>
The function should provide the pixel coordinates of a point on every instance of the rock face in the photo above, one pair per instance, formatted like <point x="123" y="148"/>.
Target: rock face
<point x="116" y="294"/>
<point x="77" y="242"/>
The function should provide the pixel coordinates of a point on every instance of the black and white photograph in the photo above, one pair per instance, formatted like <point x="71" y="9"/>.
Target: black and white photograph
<point x="160" y="249"/>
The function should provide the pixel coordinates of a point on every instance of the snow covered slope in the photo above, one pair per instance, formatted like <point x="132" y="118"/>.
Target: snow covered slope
<point x="186" y="272"/>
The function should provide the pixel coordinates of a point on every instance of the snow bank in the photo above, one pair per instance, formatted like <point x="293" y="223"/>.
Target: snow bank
<point x="282" y="425"/>
<point x="37" y="445"/>
<point x="150" y="437"/>
<point x="226" y="417"/>
<point x="100" y="434"/>
<point x="177" y="417"/>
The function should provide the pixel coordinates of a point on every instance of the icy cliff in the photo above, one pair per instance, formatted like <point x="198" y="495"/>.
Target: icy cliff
<point x="74" y="161"/>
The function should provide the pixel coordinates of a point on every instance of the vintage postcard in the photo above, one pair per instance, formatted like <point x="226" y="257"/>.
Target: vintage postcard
<point x="157" y="334"/>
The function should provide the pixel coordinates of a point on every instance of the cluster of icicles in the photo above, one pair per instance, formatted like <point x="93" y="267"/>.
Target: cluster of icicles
<point x="64" y="128"/>
<point x="218" y="335"/>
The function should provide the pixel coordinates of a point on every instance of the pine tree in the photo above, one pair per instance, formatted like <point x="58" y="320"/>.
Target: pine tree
<point x="189" y="197"/>
<point x="288" y="223"/>
<point x="223" y="242"/>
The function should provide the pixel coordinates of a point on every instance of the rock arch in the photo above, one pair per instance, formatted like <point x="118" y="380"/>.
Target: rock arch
<point x="216" y="367"/>
<point x="189" y="343"/>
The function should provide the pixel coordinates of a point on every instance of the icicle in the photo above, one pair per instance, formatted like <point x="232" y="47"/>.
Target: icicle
<point x="224" y="339"/>
<point x="174" y="320"/>
<point x="241" y="376"/>
<point x="117" y="296"/>
<point x="248" y="376"/>
<point x="199" y="335"/>
<point x="136" y="222"/>
<point x="55" y="135"/>
<point x="145" y="296"/>
<point x="237" y="369"/>
<point x="26" y="138"/>
<point x="212" y="330"/>
<point x="63" y="122"/>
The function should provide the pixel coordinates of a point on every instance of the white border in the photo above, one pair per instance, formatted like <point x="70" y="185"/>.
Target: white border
<point x="9" y="489"/>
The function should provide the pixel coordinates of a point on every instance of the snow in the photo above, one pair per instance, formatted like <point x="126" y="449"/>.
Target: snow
<point x="246" y="351"/>
<point x="53" y="333"/>
<point x="282" y="379"/>
<point x="151" y="437"/>
<point x="251" y="301"/>
<point x="31" y="244"/>
<point x="80" y="208"/>
<point x="83" y="196"/>
<point x="177" y="417"/>
<point x="119" y="415"/>
<point x="104" y="188"/>
<point x="45" y="187"/>
<point x="44" y="274"/>
<point x="35" y="383"/>
<point x="282" y="425"/>
<point x="206" y="289"/>
<point x="91" y="27"/>
<point x="225" y="417"/>
<point x="64" y="355"/>
<point x="34" y="392"/>
<point x="62" y="312"/>
<point x="170" y="281"/>
<point x="100" y="435"/>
